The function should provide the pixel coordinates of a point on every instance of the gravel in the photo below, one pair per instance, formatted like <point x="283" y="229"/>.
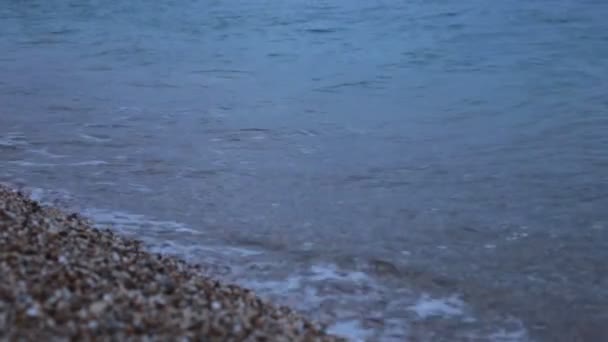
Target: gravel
<point x="63" y="279"/>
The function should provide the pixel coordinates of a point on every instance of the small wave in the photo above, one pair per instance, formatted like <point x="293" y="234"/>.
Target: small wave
<point x="42" y="41"/>
<point x="63" y="31"/>
<point x="356" y="84"/>
<point x="93" y="138"/>
<point x="254" y="129"/>
<point x="306" y="132"/>
<point x="13" y="140"/>
<point x="219" y="74"/>
<point x="221" y="71"/>
<point x="156" y="85"/>
<point x="321" y="30"/>
<point x="45" y="153"/>
<point x="67" y="108"/>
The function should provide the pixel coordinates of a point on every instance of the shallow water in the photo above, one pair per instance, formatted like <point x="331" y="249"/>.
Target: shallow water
<point x="403" y="169"/>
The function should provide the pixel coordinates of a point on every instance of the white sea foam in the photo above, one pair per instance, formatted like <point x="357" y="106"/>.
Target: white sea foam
<point x="89" y="163"/>
<point x="311" y="290"/>
<point x="37" y="194"/>
<point x="516" y="335"/>
<point x="123" y="221"/>
<point x="230" y="250"/>
<point x="330" y="271"/>
<point x="517" y="236"/>
<point x="429" y="307"/>
<point x="350" y="329"/>
<point x="281" y="287"/>
<point x="316" y="274"/>
<point x="24" y="163"/>
<point x="140" y="188"/>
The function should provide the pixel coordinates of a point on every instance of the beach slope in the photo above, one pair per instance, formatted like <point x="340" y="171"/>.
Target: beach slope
<point x="63" y="278"/>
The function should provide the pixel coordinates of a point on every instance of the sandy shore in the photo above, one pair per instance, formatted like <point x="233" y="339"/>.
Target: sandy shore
<point x="62" y="278"/>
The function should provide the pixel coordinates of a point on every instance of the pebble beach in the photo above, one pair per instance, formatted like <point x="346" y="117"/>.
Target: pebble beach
<point x="62" y="278"/>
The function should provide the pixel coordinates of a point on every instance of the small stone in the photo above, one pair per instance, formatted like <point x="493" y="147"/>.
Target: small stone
<point x="54" y="229"/>
<point x="216" y="306"/>
<point x="33" y="311"/>
<point x="98" y="307"/>
<point x="93" y="325"/>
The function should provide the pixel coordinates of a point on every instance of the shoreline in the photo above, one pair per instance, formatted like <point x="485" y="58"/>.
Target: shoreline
<point x="64" y="278"/>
